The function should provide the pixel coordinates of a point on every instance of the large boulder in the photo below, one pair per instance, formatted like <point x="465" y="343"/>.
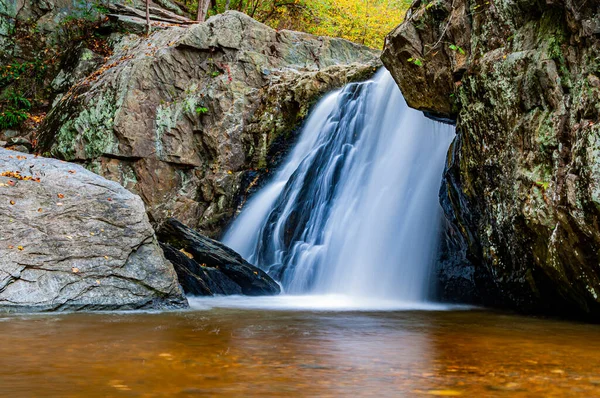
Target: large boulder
<point x="184" y="117"/>
<point x="522" y="187"/>
<point x="72" y="240"/>
<point x="207" y="267"/>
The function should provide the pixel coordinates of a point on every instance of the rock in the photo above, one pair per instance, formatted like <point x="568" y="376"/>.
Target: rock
<point x="20" y="141"/>
<point x="72" y="240"/>
<point x="183" y="117"/>
<point x="76" y="66"/>
<point x="207" y="267"/>
<point x="7" y="134"/>
<point x="19" y="148"/>
<point x="521" y="192"/>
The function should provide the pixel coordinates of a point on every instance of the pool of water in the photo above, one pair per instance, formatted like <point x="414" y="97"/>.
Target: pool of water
<point x="273" y="348"/>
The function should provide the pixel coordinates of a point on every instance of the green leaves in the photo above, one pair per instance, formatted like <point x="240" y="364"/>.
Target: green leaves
<point x="201" y="110"/>
<point x="454" y="47"/>
<point x="415" y="61"/>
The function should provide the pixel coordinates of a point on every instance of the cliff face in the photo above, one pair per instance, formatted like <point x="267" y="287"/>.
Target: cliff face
<point x="191" y="116"/>
<point x="521" y="191"/>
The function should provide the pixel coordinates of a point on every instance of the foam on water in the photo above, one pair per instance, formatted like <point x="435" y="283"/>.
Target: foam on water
<point x="327" y="302"/>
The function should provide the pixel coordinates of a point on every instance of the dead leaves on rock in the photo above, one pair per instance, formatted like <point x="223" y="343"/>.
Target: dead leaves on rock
<point x="17" y="175"/>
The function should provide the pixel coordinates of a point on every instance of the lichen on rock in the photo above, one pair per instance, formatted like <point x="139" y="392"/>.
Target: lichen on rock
<point x="184" y="116"/>
<point x="520" y="189"/>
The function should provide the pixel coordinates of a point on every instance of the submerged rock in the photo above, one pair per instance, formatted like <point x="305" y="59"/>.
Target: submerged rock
<point x="206" y="267"/>
<point x="72" y="240"/>
<point x="521" y="190"/>
<point x="184" y="117"/>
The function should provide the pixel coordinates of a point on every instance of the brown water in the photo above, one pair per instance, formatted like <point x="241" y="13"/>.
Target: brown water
<point x="271" y="353"/>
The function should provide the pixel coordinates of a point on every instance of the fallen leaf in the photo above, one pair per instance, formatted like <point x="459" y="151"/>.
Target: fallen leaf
<point x="189" y="255"/>
<point x="444" y="393"/>
<point x="40" y="210"/>
<point x="11" y="247"/>
<point x="12" y="202"/>
<point x="75" y="270"/>
<point x="20" y="247"/>
<point x="72" y="171"/>
<point x="60" y="195"/>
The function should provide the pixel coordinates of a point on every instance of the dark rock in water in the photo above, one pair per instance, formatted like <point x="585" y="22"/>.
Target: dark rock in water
<point x="72" y="240"/>
<point x="206" y="267"/>
<point x="196" y="279"/>
<point x="522" y="184"/>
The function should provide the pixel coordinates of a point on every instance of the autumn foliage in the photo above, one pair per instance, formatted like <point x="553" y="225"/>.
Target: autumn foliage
<point x="361" y="21"/>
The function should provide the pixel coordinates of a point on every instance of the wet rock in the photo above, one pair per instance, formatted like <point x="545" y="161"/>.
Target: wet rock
<point x="207" y="267"/>
<point x="71" y="240"/>
<point x="520" y="190"/>
<point x="181" y="117"/>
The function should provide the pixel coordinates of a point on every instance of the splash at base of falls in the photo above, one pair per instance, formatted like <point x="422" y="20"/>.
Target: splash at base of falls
<point x="354" y="210"/>
<point x="328" y="302"/>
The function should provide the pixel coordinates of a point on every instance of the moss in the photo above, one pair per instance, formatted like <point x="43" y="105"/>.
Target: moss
<point x="168" y="114"/>
<point x="545" y="133"/>
<point x="92" y="130"/>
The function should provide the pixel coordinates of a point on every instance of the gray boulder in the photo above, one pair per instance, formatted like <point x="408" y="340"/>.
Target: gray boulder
<point x="71" y="240"/>
<point x="184" y="116"/>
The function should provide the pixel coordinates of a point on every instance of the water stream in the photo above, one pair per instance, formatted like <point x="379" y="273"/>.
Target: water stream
<point x="354" y="210"/>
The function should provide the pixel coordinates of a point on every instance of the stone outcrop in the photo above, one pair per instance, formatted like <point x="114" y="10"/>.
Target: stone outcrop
<point x="206" y="267"/>
<point x="522" y="187"/>
<point x="72" y="240"/>
<point x="184" y="117"/>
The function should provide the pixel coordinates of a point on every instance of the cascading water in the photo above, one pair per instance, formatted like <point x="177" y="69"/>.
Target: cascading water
<point x="354" y="209"/>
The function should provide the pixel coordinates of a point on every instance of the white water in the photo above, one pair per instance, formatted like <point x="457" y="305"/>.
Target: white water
<point x="354" y="210"/>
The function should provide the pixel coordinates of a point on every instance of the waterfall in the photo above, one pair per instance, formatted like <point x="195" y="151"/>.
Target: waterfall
<point x="354" y="209"/>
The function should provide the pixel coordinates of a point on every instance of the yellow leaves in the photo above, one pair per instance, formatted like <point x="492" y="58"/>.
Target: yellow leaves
<point x="17" y="175"/>
<point x="189" y="255"/>
<point x="12" y="202"/>
<point x="442" y="393"/>
<point x="365" y="22"/>
<point x="20" y="248"/>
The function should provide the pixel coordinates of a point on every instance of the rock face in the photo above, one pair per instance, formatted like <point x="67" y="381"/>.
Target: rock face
<point x="206" y="267"/>
<point x="522" y="187"/>
<point x="71" y="240"/>
<point x="185" y="116"/>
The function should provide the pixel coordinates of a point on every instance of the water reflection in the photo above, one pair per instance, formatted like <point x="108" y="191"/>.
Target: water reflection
<point x="235" y="352"/>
